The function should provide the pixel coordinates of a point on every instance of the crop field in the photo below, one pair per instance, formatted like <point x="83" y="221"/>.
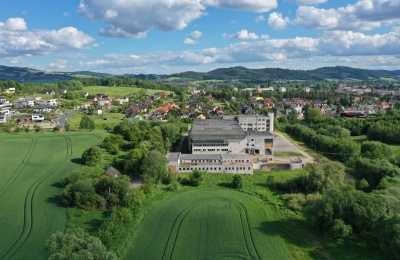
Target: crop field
<point x="30" y="206"/>
<point x="209" y="224"/>
<point x="117" y="92"/>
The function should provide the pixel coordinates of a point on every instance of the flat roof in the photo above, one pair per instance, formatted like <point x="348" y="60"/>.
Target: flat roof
<point x="256" y="132"/>
<point x="200" y="157"/>
<point x="173" y="156"/>
<point x="216" y="127"/>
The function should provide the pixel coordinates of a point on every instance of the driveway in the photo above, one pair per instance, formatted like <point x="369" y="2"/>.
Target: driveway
<point x="61" y="120"/>
<point x="282" y="144"/>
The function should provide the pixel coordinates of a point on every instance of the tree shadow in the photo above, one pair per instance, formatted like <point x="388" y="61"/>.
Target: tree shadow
<point x="93" y="225"/>
<point x="225" y="184"/>
<point x="56" y="200"/>
<point x="57" y="185"/>
<point x="77" y="160"/>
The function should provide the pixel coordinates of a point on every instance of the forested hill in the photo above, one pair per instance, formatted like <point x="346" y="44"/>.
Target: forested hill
<point x="243" y="74"/>
<point x="338" y="72"/>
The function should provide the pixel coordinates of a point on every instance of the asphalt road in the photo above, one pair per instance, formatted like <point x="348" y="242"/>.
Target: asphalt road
<point x="282" y="144"/>
<point x="61" y="120"/>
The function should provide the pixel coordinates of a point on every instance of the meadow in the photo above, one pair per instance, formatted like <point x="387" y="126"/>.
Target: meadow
<point x="118" y="92"/>
<point x="209" y="224"/>
<point x="30" y="205"/>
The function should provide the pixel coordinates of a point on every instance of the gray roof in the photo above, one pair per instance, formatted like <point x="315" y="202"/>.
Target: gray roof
<point x="200" y="157"/>
<point x="216" y="127"/>
<point x="173" y="156"/>
<point x="111" y="171"/>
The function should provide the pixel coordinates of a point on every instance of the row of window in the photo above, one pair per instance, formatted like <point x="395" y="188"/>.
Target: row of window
<point x="210" y="150"/>
<point x="210" y="144"/>
<point x="214" y="168"/>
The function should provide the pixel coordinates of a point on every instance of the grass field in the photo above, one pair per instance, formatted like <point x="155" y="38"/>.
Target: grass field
<point x="30" y="206"/>
<point x="114" y="119"/>
<point x="211" y="224"/>
<point x="116" y="92"/>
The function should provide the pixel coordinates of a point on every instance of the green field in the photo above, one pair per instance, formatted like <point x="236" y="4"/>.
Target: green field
<point x="117" y="92"/>
<point x="30" y="206"/>
<point x="209" y="224"/>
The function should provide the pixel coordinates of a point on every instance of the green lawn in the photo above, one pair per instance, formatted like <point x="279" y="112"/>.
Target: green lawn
<point x="114" y="119"/>
<point x="116" y="92"/>
<point x="30" y="206"/>
<point x="209" y="224"/>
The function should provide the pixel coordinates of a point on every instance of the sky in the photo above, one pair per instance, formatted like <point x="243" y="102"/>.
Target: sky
<point x="172" y="36"/>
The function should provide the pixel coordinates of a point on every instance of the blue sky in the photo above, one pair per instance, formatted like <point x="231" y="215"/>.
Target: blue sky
<point x="169" y="36"/>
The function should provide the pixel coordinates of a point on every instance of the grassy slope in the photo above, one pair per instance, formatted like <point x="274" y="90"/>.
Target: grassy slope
<point x="116" y="92"/>
<point x="30" y="208"/>
<point x="210" y="224"/>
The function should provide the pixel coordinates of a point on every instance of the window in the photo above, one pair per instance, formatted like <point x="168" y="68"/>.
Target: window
<point x="249" y="168"/>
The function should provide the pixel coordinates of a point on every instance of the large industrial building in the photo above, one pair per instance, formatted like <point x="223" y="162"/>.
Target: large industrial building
<point x="232" y="135"/>
<point x="233" y="145"/>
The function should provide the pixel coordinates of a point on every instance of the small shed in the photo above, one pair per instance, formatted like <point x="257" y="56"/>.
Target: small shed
<point x="296" y="163"/>
<point x="110" y="172"/>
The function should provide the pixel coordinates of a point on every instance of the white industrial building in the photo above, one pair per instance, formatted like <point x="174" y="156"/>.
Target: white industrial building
<point x="232" y="135"/>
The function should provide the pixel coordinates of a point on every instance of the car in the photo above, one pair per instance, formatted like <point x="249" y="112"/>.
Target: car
<point x="105" y="118"/>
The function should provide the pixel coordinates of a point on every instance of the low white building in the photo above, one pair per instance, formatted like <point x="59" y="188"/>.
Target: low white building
<point x="215" y="163"/>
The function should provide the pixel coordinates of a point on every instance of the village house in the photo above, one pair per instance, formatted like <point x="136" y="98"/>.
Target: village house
<point x="9" y="91"/>
<point x="43" y="108"/>
<point x="48" y="92"/>
<point x="110" y="172"/>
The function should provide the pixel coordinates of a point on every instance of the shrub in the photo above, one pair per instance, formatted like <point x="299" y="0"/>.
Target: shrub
<point x="237" y="182"/>
<point x="196" y="178"/>
<point x="341" y="229"/>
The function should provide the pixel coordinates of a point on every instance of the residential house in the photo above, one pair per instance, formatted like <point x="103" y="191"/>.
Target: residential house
<point x="9" y="91"/>
<point x="383" y="105"/>
<point x="282" y="89"/>
<point x="392" y="103"/>
<point x="62" y="91"/>
<point x="120" y="101"/>
<point x="162" y="94"/>
<point x="43" y="108"/>
<point x="85" y="94"/>
<point x="3" y="117"/>
<point x="48" y="92"/>
<point x="37" y="118"/>
<point x="155" y="97"/>
<point x="3" y="100"/>
<point x="91" y="98"/>
<point x="307" y="89"/>
<point x="110" y="172"/>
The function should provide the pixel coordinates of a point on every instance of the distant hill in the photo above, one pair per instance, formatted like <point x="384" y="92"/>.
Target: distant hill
<point x="226" y="74"/>
<point x="271" y="74"/>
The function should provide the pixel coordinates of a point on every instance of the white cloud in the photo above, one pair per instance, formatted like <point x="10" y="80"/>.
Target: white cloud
<point x="17" y="41"/>
<point x="14" y="24"/>
<point x="264" y="36"/>
<point x="74" y="55"/>
<point x="15" y="60"/>
<point x="345" y="46"/>
<point x="65" y="14"/>
<point x="307" y="2"/>
<point x="95" y="44"/>
<point x="259" y="6"/>
<point x="241" y="35"/>
<point x="189" y="41"/>
<point x="59" y="64"/>
<point x="276" y="21"/>
<point x="196" y="34"/>
<point x="134" y="18"/>
<point x="260" y="18"/>
<point x="364" y="15"/>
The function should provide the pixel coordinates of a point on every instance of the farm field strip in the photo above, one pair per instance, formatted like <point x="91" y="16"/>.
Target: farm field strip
<point x="28" y="205"/>
<point x="208" y="224"/>
<point x="30" y="209"/>
<point x="18" y="170"/>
